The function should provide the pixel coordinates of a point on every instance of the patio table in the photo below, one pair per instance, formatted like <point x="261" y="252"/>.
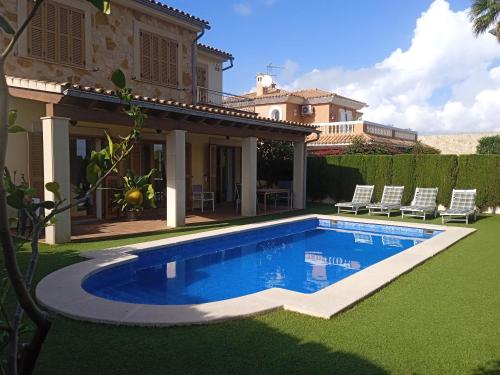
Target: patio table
<point x="273" y="191"/>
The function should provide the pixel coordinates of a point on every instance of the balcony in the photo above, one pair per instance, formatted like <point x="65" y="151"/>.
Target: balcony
<point x="367" y="127"/>
<point x="221" y="99"/>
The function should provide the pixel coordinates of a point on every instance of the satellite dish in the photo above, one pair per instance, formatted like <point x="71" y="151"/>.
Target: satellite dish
<point x="267" y="80"/>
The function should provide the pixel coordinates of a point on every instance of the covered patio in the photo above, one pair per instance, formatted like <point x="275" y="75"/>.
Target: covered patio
<point x="214" y="147"/>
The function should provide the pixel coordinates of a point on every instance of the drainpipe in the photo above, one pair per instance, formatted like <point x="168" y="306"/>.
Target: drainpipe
<point x="305" y="165"/>
<point x="231" y="64"/>
<point x="194" y="61"/>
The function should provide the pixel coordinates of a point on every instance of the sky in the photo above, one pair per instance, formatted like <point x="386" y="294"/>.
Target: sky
<point x="415" y="63"/>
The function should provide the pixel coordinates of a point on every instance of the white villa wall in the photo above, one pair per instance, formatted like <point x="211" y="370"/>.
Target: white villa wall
<point x="458" y="144"/>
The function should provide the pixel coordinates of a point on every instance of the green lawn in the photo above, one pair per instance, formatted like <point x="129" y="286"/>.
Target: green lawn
<point x="441" y="318"/>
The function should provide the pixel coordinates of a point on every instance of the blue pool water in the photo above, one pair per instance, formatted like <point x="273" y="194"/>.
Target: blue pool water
<point x="303" y="256"/>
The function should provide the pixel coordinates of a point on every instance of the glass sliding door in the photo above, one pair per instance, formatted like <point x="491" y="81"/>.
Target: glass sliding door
<point x="80" y="149"/>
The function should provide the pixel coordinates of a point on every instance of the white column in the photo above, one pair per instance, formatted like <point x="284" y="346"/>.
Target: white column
<point x="299" y="175"/>
<point x="56" y="168"/>
<point x="249" y="176"/>
<point x="176" y="178"/>
<point x="98" y="193"/>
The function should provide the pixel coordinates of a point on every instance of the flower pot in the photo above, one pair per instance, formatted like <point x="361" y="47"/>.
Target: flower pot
<point x="133" y="215"/>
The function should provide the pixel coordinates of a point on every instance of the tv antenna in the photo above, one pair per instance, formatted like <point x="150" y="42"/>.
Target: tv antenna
<point x="271" y="69"/>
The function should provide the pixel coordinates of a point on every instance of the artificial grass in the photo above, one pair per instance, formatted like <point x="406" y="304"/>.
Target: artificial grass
<point x="441" y="318"/>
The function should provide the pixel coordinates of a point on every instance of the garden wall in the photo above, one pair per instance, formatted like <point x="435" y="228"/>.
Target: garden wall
<point x="334" y="177"/>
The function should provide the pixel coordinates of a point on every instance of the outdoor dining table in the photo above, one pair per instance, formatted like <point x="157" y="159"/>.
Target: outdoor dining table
<point x="273" y="192"/>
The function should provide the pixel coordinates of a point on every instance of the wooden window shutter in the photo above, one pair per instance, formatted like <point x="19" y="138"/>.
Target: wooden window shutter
<point x="201" y="76"/>
<point x="135" y="160"/>
<point x="35" y="157"/>
<point x="145" y="55"/>
<point x="77" y="38"/>
<point x="155" y="58"/>
<point x="64" y="36"/>
<point x="50" y="31"/>
<point x="164" y="62"/>
<point x="35" y="33"/>
<point x="172" y="63"/>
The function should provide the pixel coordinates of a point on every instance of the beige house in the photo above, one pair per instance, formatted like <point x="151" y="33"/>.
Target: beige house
<point x="59" y="80"/>
<point x="337" y="117"/>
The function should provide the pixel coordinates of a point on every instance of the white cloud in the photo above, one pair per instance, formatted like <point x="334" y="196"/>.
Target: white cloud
<point x="243" y="9"/>
<point x="444" y="57"/>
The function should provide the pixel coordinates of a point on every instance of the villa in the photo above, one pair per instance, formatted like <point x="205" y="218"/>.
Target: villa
<point x="59" y="80"/>
<point x="337" y="117"/>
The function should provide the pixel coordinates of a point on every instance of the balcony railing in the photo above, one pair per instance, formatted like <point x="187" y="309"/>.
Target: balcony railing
<point x="361" y="126"/>
<point x="223" y="99"/>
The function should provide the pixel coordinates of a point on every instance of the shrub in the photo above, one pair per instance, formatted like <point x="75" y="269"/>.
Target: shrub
<point x="483" y="173"/>
<point x="336" y="176"/>
<point x="437" y="171"/>
<point x="489" y="145"/>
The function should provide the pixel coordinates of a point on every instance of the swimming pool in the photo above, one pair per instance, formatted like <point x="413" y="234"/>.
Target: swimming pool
<point x="304" y="256"/>
<point x="312" y="264"/>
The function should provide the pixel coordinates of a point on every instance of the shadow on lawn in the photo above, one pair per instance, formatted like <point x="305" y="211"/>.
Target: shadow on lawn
<point x="490" y="368"/>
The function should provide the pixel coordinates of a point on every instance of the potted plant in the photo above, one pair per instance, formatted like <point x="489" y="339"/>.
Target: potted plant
<point x="136" y="194"/>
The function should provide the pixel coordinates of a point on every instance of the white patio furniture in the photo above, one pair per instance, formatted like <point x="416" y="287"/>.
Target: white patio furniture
<point x="424" y="201"/>
<point x="361" y="198"/>
<point x="463" y="204"/>
<point x="391" y="200"/>
<point x="199" y="195"/>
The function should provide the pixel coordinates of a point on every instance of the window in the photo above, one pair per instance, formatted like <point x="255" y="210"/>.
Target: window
<point x="158" y="59"/>
<point x="57" y="34"/>
<point x="275" y="114"/>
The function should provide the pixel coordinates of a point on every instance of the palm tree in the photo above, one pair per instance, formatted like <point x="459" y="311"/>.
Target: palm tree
<point x="485" y="15"/>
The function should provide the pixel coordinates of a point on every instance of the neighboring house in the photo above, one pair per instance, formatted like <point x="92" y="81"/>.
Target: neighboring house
<point x="337" y="117"/>
<point x="59" y="80"/>
<point x="457" y="144"/>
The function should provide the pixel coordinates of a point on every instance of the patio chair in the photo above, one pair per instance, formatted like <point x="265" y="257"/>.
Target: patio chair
<point x="424" y="201"/>
<point x="361" y="198"/>
<point x="288" y="198"/>
<point x="203" y="196"/>
<point x="463" y="204"/>
<point x="391" y="200"/>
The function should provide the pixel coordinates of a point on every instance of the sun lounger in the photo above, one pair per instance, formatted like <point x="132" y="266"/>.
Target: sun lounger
<point x="391" y="200"/>
<point x="463" y="204"/>
<point x="424" y="201"/>
<point x="361" y="198"/>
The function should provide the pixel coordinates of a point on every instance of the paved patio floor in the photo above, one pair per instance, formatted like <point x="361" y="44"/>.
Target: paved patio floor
<point x="153" y="221"/>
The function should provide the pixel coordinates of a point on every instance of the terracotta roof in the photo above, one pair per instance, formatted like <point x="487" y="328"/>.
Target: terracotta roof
<point x="215" y="50"/>
<point x="345" y="139"/>
<point x="173" y="11"/>
<point x="200" y="108"/>
<point x="305" y="94"/>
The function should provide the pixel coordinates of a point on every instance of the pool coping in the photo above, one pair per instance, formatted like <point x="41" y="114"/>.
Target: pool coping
<point x="62" y="292"/>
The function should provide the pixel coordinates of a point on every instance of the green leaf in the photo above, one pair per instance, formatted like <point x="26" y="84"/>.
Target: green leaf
<point x="13" y="221"/>
<point x="16" y="129"/>
<point x="118" y="78"/>
<point x="5" y="25"/>
<point x="110" y="145"/>
<point x="16" y="199"/>
<point x="12" y="117"/>
<point x="92" y="173"/>
<point x="103" y="5"/>
<point x="54" y="187"/>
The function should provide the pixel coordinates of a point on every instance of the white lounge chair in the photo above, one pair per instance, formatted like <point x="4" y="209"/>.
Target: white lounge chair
<point x="463" y="204"/>
<point x="391" y="200"/>
<point x="361" y="198"/>
<point x="424" y="201"/>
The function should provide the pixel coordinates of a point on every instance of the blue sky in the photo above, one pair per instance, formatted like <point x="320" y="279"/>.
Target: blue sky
<point x="415" y="62"/>
<point x="315" y="33"/>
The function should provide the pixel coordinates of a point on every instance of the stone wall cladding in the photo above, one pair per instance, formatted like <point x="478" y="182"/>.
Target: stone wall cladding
<point x="459" y="144"/>
<point x="112" y="47"/>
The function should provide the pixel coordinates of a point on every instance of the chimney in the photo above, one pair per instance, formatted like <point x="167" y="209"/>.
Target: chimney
<point x="263" y="83"/>
<point x="259" y="85"/>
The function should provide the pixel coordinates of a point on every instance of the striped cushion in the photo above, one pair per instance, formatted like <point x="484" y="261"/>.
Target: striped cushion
<point x="362" y="194"/>
<point x="425" y="197"/>
<point x="392" y="195"/>
<point x="463" y="200"/>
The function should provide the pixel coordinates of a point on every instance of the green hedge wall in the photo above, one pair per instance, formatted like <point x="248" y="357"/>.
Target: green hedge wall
<point x="336" y="176"/>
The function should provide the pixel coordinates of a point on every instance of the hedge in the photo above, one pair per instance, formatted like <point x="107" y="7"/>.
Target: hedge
<point x="336" y="176"/>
